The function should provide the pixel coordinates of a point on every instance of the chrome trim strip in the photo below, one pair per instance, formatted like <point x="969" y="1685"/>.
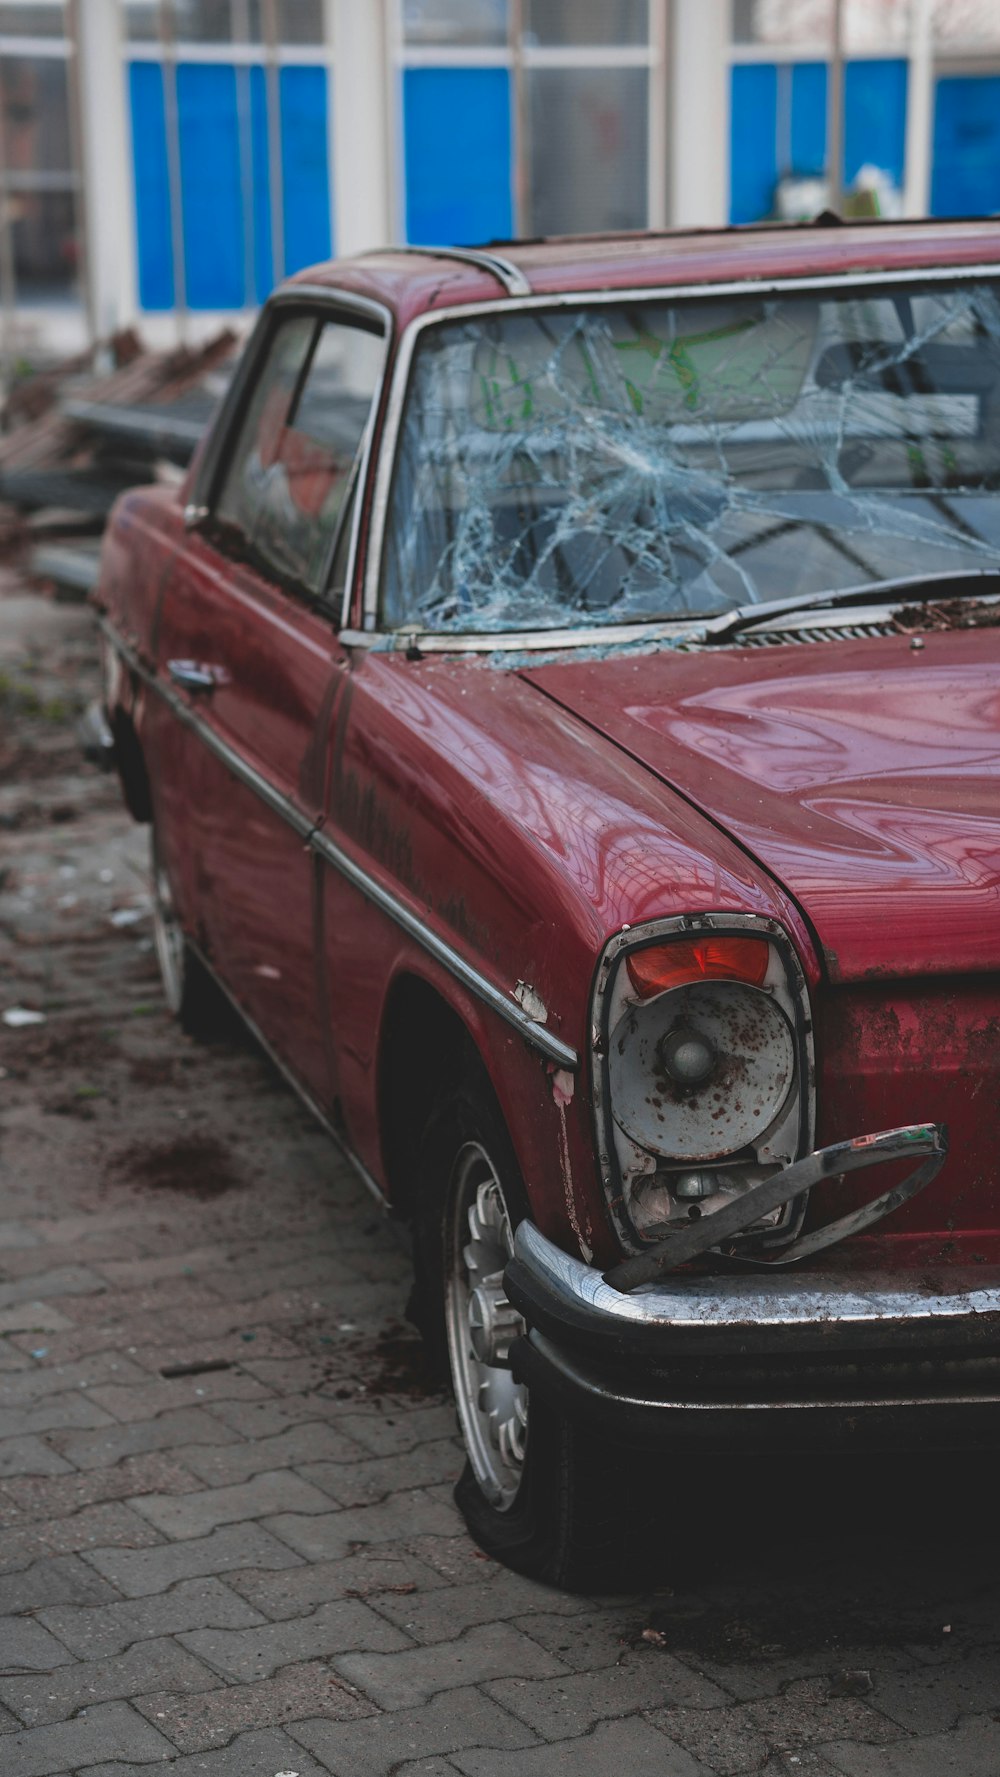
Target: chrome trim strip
<point x="575" y="299"/>
<point x="230" y="758"/>
<point x="927" y="1142"/>
<point x="745" y="1312"/>
<point x="484" y="989"/>
<point x="296" y="1084"/>
<point x="504" y="270"/>
<point x="535" y="641"/>
<point x="330" y="295"/>
<point x="778" y="617"/>
<point x="536" y="1034"/>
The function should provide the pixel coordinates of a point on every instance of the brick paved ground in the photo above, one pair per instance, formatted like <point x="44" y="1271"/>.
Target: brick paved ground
<point x="227" y="1539"/>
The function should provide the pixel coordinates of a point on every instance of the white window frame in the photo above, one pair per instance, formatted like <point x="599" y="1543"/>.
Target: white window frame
<point x="519" y="58"/>
<point x="271" y="55"/>
<point x="55" y="49"/>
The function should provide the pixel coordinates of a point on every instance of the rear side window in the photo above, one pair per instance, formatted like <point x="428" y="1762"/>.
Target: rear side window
<point x="289" y="480"/>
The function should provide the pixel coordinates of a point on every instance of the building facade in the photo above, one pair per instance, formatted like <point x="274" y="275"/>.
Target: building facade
<point x="167" y="161"/>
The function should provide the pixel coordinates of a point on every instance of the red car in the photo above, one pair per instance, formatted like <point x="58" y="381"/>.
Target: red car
<point x="565" y="700"/>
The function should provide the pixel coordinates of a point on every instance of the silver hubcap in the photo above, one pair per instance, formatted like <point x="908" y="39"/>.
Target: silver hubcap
<point x="167" y="936"/>
<point x="482" y="1325"/>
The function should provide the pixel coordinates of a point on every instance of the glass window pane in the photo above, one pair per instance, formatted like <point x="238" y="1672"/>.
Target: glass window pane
<point x="45" y="248"/>
<point x="217" y="21"/>
<point x="203" y="21"/>
<point x="783" y="22"/>
<point x="966" y="23"/>
<point x="293" y="462"/>
<point x="32" y="21"/>
<point x="338" y="572"/>
<point x="885" y="26"/>
<point x="142" y="20"/>
<point x="265" y="417"/>
<point x="301" y="21"/>
<point x="586" y="21"/>
<point x="36" y="136"/>
<point x="867" y="24"/>
<point x="588" y="149"/>
<point x="455" y="21"/>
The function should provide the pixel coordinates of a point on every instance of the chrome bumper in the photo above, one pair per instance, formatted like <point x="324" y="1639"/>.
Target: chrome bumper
<point x="797" y="1360"/>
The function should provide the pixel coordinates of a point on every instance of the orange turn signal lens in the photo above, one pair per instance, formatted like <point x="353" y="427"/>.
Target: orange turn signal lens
<point x="660" y="966"/>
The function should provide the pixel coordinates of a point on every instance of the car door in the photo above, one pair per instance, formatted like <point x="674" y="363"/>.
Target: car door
<point x="247" y="649"/>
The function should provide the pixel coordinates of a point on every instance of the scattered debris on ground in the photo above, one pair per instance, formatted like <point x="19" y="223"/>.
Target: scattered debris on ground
<point x="72" y="440"/>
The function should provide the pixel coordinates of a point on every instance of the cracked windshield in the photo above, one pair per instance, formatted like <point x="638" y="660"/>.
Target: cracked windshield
<point x="647" y="461"/>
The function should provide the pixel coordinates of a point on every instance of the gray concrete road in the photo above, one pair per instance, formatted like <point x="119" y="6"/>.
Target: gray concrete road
<point x="227" y="1539"/>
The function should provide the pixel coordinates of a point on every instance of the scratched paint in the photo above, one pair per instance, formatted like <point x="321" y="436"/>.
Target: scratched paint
<point x="569" y="1191"/>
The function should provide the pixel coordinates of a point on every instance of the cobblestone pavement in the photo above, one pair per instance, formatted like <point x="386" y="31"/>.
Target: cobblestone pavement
<point x="227" y="1538"/>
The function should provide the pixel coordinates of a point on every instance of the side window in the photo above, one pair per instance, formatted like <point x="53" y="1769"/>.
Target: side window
<point x="291" y="471"/>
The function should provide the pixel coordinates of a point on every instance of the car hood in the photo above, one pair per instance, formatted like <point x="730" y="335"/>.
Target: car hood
<point x="863" y="775"/>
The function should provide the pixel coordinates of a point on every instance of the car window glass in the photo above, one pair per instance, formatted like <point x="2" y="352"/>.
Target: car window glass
<point x="647" y="461"/>
<point x="291" y="468"/>
<point x="338" y="573"/>
<point x="266" y="413"/>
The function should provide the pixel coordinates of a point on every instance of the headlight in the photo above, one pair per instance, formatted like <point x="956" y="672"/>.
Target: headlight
<point x="703" y="1067"/>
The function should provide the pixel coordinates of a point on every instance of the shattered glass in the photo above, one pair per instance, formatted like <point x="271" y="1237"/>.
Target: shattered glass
<point x="649" y="460"/>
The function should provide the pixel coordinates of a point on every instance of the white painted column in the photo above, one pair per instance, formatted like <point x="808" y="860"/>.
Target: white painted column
<point x="363" y="130"/>
<point x="698" y="87"/>
<point x="919" y="112"/>
<point x="106" y="148"/>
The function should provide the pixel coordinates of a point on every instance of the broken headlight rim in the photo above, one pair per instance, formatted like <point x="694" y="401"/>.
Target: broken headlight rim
<point x="790" y="994"/>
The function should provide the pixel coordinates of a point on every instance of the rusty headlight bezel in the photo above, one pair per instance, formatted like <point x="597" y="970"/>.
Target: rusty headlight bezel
<point x="792" y="995"/>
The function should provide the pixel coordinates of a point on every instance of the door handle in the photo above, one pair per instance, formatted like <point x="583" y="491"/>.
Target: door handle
<point x="192" y="675"/>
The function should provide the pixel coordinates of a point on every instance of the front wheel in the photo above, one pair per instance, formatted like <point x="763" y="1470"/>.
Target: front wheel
<point x="538" y="1494"/>
<point x="188" y="988"/>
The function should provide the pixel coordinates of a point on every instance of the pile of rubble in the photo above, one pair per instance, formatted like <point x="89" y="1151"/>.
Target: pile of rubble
<point x="72" y="440"/>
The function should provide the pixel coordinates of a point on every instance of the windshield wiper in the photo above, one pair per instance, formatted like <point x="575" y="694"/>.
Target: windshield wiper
<point x="907" y="590"/>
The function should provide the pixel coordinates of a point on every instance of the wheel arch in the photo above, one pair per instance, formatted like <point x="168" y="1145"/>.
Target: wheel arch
<point x="424" y="1042"/>
<point x="131" y="764"/>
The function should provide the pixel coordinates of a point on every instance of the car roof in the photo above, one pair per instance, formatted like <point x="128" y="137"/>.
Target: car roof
<point x="410" y="281"/>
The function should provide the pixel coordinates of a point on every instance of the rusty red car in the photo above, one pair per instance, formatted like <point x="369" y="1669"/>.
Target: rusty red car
<point x="564" y="696"/>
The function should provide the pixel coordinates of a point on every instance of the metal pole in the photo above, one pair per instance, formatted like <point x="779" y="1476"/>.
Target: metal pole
<point x="80" y="194"/>
<point x="274" y="166"/>
<point x="835" y="112"/>
<point x="658" y="144"/>
<point x="8" y="281"/>
<point x="244" y="126"/>
<point x="168" y="50"/>
<point x="520" y="139"/>
<point x="919" y="111"/>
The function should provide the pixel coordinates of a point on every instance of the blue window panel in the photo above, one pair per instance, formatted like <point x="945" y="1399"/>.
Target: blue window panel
<point x="211" y="187"/>
<point x="152" y="186"/>
<point x="263" y="249"/>
<point x="808" y="133"/>
<point x="965" y="177"/>
<point x="305" y="166"/>
<point x="875" y="118"/>
<point x="457" y="148"/>
<point x="753" y="168"/>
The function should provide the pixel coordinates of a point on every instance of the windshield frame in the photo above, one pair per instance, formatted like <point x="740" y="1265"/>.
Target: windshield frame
<point x="544" y="640"/>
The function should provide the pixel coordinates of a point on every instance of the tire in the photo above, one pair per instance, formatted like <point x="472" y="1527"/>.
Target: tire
<point x="536" y="1493"/>
<point x="191" y="994"/>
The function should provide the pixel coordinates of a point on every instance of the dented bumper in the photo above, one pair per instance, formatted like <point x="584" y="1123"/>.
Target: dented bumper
<point x="794" y="1359"/>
